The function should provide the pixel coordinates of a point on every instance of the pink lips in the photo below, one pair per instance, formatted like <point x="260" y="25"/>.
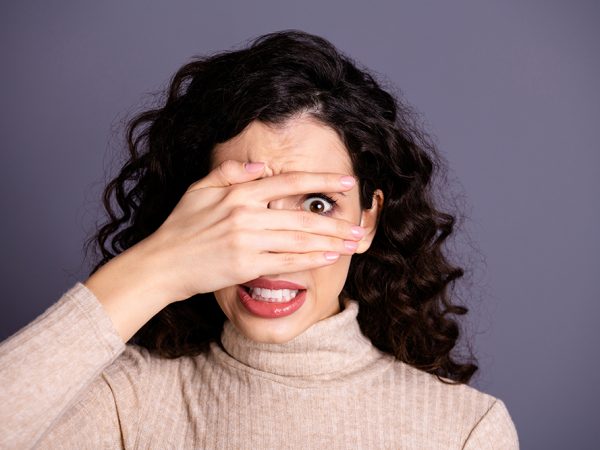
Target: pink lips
<point x="270" y="310"/>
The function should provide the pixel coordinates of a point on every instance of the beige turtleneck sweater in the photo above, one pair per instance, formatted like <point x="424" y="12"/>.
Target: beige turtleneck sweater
<point x="69" y="381"/>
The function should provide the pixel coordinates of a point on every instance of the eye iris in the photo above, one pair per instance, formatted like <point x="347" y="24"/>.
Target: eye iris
<point x="320" y="207"/>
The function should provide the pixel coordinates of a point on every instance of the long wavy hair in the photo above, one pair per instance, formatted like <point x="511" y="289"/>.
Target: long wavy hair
<point x="401" y="282"/>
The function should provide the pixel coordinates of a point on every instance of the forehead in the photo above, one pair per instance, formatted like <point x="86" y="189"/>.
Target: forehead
<point x="301" y="144"/>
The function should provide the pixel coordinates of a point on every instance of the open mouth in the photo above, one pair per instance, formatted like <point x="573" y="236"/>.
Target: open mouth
<point x="269" y="307"/>
<point x="272" y="295"/>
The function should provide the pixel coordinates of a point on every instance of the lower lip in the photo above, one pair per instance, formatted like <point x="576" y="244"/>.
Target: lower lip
<point x="270" y="310"/>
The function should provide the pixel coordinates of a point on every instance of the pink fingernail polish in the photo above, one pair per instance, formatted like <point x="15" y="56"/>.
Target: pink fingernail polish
<point x="357" y="231"/>
<point x="331" y="256"/>
<point x="347" y="181"/>
<point x="351" y="245"/>
<point x="254" y="167"/>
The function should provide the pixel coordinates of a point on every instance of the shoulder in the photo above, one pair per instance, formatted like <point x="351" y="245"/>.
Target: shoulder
<point x="461" y="412"/>
<point x="138" y="360"/>
<point x="139" y="368"/>
<point x="495" y="429"/>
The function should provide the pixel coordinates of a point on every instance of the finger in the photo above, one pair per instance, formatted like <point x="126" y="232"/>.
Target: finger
<point x="292" y="262"/>
<point x="281" y="219"/>
<point x="228" y="173"/>
<point x="291" y="183"/>
<point x="298" y="242"/>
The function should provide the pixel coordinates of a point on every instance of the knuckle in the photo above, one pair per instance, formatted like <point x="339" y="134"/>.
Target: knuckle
<point x="306" y="219"/>
<point x="238" y="217"/>
<point x="294" y="179"/>
<point x="299" y="237"/>
<point x="228" y="165"/>
<point x="224" y="170"/>
<point x="234" y="195"/>
<point x="288" y="260"/>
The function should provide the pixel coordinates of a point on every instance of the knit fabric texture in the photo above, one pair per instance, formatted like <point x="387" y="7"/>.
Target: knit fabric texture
<point x="69" y="381"/>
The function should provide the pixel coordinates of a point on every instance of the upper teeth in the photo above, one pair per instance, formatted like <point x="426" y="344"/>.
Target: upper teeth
<point x="281" y="295"/>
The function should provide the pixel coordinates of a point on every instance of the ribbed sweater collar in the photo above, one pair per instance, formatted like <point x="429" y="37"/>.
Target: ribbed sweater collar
<point x="328" y="349"/>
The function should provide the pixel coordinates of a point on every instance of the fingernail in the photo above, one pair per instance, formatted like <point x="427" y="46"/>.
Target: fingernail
<point x="351" y="245"/>
<point x="331" y="256"/>
<point x="253" y="167"/>
<point x="347" y="181"/>
<point x="357" y="231"/>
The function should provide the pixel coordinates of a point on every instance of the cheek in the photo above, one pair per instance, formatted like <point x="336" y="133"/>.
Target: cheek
<point x="328" y="280"/>
<point x="225" y="298"/>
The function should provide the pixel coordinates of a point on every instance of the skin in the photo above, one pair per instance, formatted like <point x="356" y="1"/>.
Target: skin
<point x="302" y="144"/>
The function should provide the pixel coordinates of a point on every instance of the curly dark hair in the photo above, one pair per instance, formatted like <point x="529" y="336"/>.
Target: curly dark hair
<point x="401" y="282"/>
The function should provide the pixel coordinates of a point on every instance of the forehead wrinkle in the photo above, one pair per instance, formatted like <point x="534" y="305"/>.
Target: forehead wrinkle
<point x="293" y="160"/>
<point x="280" y="148"/>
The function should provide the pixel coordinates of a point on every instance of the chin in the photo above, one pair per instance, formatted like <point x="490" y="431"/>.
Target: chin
<point x="273" y="331"/>
<point x="270" y="338"/>
<point x="266" y="330"/>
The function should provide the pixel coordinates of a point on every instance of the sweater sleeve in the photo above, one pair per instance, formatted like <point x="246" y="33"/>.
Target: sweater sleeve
<point x="49" y="366"/>
<point x="494" y="431"/>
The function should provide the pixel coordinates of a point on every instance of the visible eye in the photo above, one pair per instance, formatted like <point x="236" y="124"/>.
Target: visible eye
<point x="315" y="203"/>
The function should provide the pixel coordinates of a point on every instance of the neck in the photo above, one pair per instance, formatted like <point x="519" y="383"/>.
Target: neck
<point x="330" y="349"/>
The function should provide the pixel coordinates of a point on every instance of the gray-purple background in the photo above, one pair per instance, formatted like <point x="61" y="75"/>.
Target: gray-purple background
<point x="509" y="89"/>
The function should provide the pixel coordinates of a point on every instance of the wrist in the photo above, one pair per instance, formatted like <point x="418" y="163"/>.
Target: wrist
<point x="130" y="290"/>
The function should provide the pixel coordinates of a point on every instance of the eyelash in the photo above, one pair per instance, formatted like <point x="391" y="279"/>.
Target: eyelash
<point x="327" y="199"/>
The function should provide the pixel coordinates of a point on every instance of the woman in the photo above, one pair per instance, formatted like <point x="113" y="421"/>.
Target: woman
<point x="275" y="278"/>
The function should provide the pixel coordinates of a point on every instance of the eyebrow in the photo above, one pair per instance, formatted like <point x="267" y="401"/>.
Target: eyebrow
<point x="332" y="193"/>
<point x="328" y="193"/>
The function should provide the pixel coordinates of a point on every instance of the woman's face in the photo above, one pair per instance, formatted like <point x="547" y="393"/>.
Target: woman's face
<point x="303" y="144"/>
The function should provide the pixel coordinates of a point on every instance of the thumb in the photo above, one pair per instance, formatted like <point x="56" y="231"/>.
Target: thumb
<point x="230" y="172"/>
